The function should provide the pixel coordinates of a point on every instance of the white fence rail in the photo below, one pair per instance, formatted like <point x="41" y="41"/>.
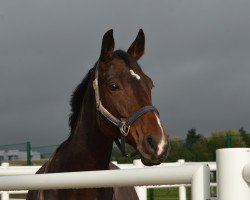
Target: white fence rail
<point x="197" y="175"/>
<point x="5" y="169"/>
<point x="233" y="177"/>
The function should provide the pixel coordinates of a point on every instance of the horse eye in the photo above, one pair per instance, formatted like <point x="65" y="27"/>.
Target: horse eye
<point x="114" y="87"/>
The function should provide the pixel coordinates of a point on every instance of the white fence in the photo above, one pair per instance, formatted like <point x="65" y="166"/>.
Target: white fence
<point x="197" y="175"/>
<point x="233" y="177"/>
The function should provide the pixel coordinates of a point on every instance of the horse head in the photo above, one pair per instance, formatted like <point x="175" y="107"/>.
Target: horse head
<point x="123" y="95"/>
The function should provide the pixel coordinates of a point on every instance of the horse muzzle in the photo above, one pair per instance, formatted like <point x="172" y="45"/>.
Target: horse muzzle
<point x="154" y="152"/>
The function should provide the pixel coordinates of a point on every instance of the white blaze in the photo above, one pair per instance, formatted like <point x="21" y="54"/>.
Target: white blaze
<point x="134" y="74"/>
<point x="162" y="143"/>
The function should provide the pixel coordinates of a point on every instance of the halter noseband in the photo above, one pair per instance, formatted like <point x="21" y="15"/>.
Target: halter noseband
<point x="124" y="126"/>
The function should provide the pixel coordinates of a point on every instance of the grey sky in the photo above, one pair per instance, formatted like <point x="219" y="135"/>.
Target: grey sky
<point x="197" y="53"/>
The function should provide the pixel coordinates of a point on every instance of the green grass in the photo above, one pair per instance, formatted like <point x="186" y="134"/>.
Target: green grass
<point x="167" y="194"/>
<point x="18" y="196"/>
<point x="24" y="163"/>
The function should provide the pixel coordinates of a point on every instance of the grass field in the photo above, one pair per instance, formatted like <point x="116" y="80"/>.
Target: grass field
<point x="167" y="194"/>
<point x="24" y="163"/>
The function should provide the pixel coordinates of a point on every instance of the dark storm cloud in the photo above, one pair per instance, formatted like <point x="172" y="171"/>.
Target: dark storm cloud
<point x="197" y="53"/>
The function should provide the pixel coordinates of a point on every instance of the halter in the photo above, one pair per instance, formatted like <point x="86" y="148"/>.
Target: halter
<point x="124" y="126"/>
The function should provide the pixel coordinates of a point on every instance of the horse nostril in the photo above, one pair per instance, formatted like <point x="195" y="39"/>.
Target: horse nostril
<point x="152" y="143"/>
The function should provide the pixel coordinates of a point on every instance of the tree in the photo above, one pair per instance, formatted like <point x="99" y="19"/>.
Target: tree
<point x="245" y="136"/>
<point x="178" y="150"/>
<point x="192" y="137"/>
<point x="217" y="140"/>
<point x="197" y="144"/>
<point x="200" y="150"/>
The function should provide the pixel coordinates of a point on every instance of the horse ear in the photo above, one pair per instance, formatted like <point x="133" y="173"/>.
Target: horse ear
<point x="108" y="45"/>
<point x="136" y="49"/>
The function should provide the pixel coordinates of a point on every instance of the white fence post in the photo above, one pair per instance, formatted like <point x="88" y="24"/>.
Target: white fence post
<point x="230" y="182"/>
<point x="200" y="184"/>
<point x="5" y="196"/>
<point x="182" y="188"/>
<point x="140" y="190"/>
<point x="182" y="192"/>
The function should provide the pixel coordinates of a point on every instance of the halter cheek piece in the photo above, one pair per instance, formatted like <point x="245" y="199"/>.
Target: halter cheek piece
<point x="124" y="126"/>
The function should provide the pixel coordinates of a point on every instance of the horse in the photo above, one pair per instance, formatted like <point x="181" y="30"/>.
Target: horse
<point x="112" y="102"/>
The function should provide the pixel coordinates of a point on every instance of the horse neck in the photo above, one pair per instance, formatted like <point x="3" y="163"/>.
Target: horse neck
<point x="87" y="148"/>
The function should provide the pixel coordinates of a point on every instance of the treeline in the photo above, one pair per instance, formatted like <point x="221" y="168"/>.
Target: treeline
<point x="197" y="147"/>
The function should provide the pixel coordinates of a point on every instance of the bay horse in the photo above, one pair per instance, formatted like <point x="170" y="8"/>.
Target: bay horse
<point x="113" y="101"/>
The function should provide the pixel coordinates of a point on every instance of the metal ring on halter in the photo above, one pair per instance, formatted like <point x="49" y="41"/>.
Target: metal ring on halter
<point x="124" y="128"/>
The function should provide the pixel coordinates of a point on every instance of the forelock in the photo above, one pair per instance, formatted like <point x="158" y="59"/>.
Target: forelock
<point x="124" y="56"/>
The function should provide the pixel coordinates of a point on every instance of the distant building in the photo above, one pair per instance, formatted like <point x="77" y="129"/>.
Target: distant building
<point x="18" y="155"/>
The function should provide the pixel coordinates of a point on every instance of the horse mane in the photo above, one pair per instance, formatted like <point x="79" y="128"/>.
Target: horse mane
<point x="77" y="99"/>
<point x="78" y="94"/>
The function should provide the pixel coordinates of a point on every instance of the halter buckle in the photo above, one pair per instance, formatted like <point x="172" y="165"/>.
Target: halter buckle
<point x="124" y="128"/>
